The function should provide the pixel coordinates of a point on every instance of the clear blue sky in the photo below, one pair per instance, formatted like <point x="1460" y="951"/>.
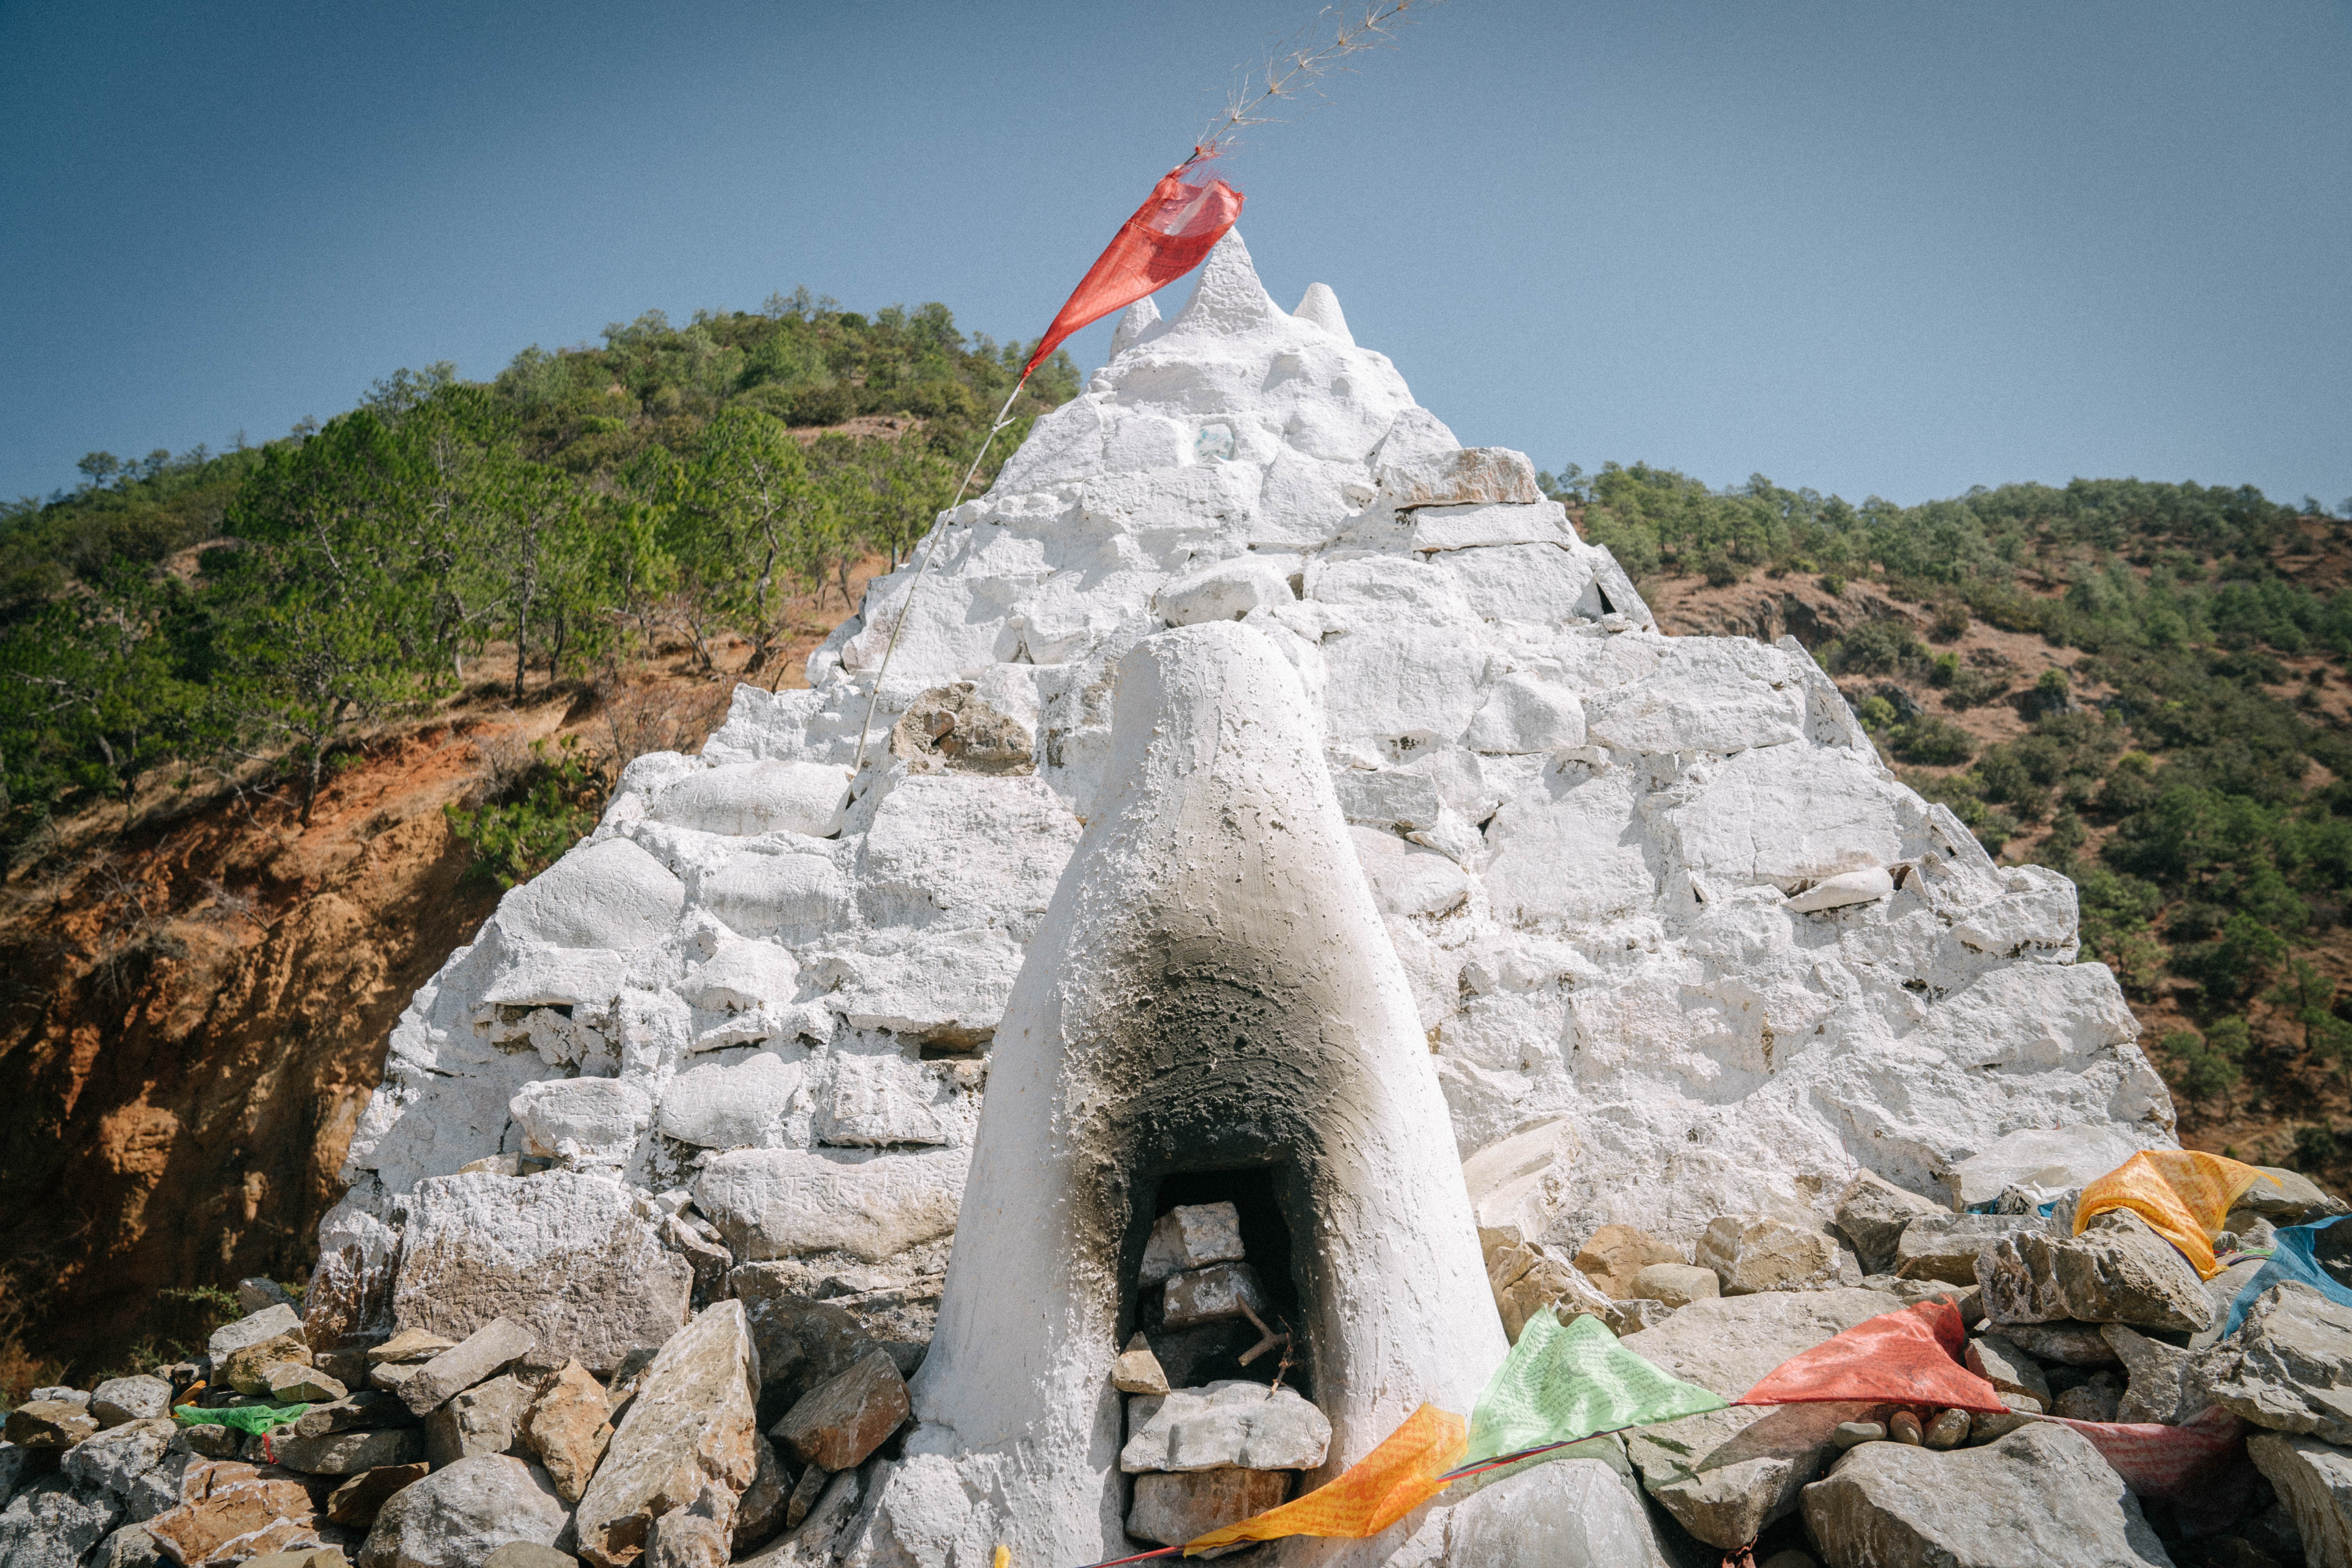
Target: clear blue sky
<point x="1900" y="248"/>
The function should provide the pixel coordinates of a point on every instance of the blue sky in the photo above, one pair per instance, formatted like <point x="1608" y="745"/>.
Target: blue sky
<point x="1899" y="249"/>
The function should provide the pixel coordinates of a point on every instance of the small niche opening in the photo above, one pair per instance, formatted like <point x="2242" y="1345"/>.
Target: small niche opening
<point x="1195" y="1355"/>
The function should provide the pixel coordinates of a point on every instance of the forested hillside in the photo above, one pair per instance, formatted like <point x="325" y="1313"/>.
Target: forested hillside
<point x="2143" y="686"/>
<point x="276" y="724"/>
<point x="240" y="615"/>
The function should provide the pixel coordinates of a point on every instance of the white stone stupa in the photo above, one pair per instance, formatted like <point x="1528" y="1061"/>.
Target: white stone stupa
<point x="1653" y="904"/>
<point x="1212" y="989"/>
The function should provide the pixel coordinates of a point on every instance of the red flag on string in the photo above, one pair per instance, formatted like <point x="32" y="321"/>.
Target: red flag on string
<point x="1188" y="212"/>
<point x="1910" y="1357"/>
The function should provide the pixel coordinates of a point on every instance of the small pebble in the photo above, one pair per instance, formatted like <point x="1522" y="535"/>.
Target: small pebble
<point x="1904" y="1428"/>
<point x="1950" y="1429"/>
<point x="1851" y="1433"/>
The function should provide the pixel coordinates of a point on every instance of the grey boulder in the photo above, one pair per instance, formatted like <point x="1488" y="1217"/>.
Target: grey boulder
<point x="349" y="1453"/>
<point x="2284" y="1197"/>
<point x="2158" y="1388"/>
<point x="1999" y="1362"/>
<point x="130" y="1461"/>
<point x="1945" y="1246"/>
<point x="121" y="1399"/>
<point x="2067" y="1344"/>
<point x="2116" y="1271"/>
<point x="1727" y="1474"/>
<point x="485" y="1419"/>
<point x="2040" y="1497"/>
<point x="1566" y="1513"/>
<point x="2288" y="1367"/>
<point x="2315" y="1480"/>
<point x="1229" y="1423"/>
<point x="1872" y="1214"/>
<point x="456" y="1517"/>
<point x="52" y="1523"/>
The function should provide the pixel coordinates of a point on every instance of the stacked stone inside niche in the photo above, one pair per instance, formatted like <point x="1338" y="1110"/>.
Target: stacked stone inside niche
<point x="1219" y="1423"/>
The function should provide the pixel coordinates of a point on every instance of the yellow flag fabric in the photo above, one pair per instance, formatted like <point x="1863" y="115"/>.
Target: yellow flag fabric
<point x="2183" y="1193"/>
<point x="1368" y="1496"/>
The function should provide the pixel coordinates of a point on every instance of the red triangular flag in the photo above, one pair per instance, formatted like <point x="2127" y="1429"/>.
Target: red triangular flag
<point x="1165" y="239"/>
<point x="1900" y="1358"/>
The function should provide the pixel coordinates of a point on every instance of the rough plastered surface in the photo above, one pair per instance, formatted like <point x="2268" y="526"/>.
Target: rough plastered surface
<point x="1210" y="989"/>
<point x="775" y="986"/>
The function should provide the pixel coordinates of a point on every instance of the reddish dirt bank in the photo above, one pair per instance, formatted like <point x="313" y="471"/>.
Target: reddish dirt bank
<point x="193" y="1009"/>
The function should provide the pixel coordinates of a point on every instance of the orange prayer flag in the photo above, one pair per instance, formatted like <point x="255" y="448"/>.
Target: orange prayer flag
<point x="1370" y="1495"/>
<point x="2185" y="1195"/>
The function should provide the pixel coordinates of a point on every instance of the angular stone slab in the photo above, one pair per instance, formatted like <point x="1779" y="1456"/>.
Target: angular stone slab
<point x="2315" y="1480"/>
<point x="456" y="1518"/>
<point x="484" y="1419"/>
<point x="1873" y="1211"/>
<point x="2288" y="1367"/>
<point x="121" y="1399"/>
<point x="1230" y="1423"/>
<point x="1727" y="1474"/>
<point x="1754" y="1253"/>
<point x="480" y="1357"/>
<point x="2040" y="1497"/>
<point x="350" y="1453"/>
<point x="567" y="1427"/>
<point x="1191" y="1236"/>
<point x="2116" y="1271"/>
<point x="689" y="1426"/>
<point x="841" y="1421"/>
<point x="1172" y="1509"/>
<point x="1945" y="1246"/>
<point x="566" y="1256"/>
<point x="229" y="1511"/>
<point x="1211" y="1295"/>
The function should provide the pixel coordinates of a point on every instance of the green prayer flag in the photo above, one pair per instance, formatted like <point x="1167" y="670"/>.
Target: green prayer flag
<point x="1561" y="1383"/>
<point x="256" y="1419"/>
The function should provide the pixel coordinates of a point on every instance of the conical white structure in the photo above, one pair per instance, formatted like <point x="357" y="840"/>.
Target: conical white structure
<point x="1655" y="898"/>
<point x="1212" y="988"/>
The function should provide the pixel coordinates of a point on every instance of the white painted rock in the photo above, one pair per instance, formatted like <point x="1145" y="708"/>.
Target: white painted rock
<point x="778" y="1203"/>
<point x="756" y="797"/>
<point x="568" y="1256"/>
<point x="603" y="1116"/>
<point x="606" y="895"/>
<point x="1191" y="1236"/>
<point x="1227" y="590"/>
<point x="1230" y="1423"/>
<point x="1624" y="815"/>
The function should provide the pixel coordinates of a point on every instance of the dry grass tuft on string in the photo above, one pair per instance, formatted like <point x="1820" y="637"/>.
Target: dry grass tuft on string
<point x="1293" y="70"/>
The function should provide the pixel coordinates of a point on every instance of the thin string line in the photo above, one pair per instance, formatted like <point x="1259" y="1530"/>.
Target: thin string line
<point x="929" y="546"/>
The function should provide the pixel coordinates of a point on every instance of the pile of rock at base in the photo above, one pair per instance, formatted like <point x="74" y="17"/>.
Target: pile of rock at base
<point x="1207" y="1456"/>
<point x="738" y="1436"/>
<point x="2111" y="1325"/>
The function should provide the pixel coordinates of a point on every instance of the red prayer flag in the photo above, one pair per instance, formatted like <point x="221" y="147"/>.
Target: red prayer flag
<point x="1165" y="239"/>
<point x="2200" y="1466"/>
<point x="1900" y="1358"/>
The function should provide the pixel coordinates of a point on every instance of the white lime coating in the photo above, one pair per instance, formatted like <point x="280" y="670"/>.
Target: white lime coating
<point x="1608" y="948"/>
